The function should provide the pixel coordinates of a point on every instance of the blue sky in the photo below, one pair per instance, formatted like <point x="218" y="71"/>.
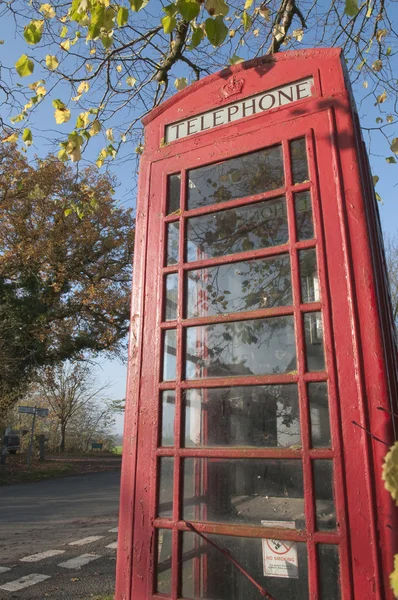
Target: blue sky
<point x="44" y="128"/>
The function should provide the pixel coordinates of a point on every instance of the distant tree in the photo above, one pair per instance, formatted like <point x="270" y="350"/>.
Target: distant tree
<point x="391" y="248"/>
<point x="65" y="268"/>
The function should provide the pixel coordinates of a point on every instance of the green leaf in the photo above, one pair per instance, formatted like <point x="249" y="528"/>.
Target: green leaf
<point x="248" y="4"/>
<point x="391" y="160"/>
<point x="51" y="62"/>
<point x="122" y="16"/>
<point x="235" y="60"/>
<point x="169" y="23"/>
<point x="68" y="211"/>
<point x="216" y="7"/>
<point x="33" y="32"/>
<point x="390" y="472"/>
<point x="137" y="5"/>
<point x="394" y="577"/>
<point x="24" y="66"/>
<point x="107" y="40"/>
<point x="58" y="103"/>
<point x="197" y="37"/>
<point x="170" y="9"/>
<point x="64" y="31"/>
<point x="27" y="137"/>
<point x="188" y="9"/>
<point x="216" y="31"/>
<point x="95" y="128"/>
<point x="375" y="178"/>
<point x="394" y="146"/>
<point x="351" y="8"/>
<point x="246" y="20"/>
<point x="379" y="119"/>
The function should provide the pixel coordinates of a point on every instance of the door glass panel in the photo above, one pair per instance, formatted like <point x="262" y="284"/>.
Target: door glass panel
<point x="173" y="240"/>
<point x="303" y="209"/>
<point x="259" y="416"/>
<point x="165" y="494"/>
<point x="173" y="193"/>
<point x="319" y="410"/>
<point x="168" y="411"/>
<point x="309" y="276"/>
<point x="329" y="572"/>
<point x="246" y="175"/>
<point x="209" y="575"/>
<point x="243" y="491"/>
<point x="169" y="355"/>
<point x="241" y="229"/>
<point x="313" y="331"/>
<point x="241" y="286"/>
<point x="298" y="154"/>
<point x="171" y="296"/>
<point x="163" y="571"/>
<point x="324" y="498"/>
<point x="255" y="347"/>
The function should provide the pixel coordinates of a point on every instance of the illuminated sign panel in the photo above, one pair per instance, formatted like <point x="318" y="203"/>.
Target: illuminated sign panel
<point x="285" y="94"/>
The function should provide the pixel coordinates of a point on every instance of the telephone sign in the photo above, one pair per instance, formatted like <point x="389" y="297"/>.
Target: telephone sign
<point x="261" y="346"/>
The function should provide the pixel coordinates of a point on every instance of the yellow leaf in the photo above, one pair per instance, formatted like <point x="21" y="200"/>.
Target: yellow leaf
<point x="298" y="34"/>
<point x="95" y="128"/>
<point x="93" y="51"/>
<point x="265" y="13"/>
<point x="35" y="84"/>
<point x="109" y="135"/>
<point x="65" y="45"/>
<point x="11" y="139"/>
<point x="389" y="118"/>
<point x="394" y="146"/>
<point x="119" y="68"/>
<point x="41" y="91"/>
<point x="390" y="469"/>
<point x="47" y="11"/>
<point x="377" y="65"/>
<point x="394" y="577"/>
<point x="382" y="98"/>
<point x="62" y="115"/>
<point x="181" y="83"/>
<point x="83" y="87"/>
<point x="248" y="4"/>
<point x="51" y="62"/>
<point x="83" y="119"/>
<point x="89" y="67"/>
<point x="131" y="81"/>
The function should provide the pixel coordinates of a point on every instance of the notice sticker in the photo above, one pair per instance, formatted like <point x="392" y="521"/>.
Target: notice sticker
<point x="280" y="558"/>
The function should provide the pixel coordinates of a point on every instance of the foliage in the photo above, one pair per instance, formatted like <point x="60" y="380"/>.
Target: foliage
<point x="109" y="63"/>
<point x="390" y="478"/>
<point x="64" y="280"/>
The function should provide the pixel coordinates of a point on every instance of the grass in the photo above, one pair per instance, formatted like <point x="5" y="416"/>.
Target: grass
<point x="9" y="476"/>
<point x="118" y="449"/>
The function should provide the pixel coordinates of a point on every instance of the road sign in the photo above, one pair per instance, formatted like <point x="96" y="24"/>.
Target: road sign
<point x="30" y="410"/>
<point x="42" y="412"/>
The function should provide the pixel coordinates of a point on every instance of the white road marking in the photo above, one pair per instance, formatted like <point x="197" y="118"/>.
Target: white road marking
<point x="112" y="546"/>
<point x="41" y="555"/>
<point x="4" y="569"/>
<point x="86" y="540"/>
<point x="23" y="582"/>
<point x="114" y="530"/>
<point x="79" y="561"/>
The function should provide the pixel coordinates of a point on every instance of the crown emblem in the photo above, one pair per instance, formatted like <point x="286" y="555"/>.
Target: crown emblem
<point x="232" y="87"/>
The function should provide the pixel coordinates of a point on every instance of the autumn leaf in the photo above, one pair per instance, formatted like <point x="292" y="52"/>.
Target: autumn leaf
<point x="11" y="139"/>
<point x="181" y="83"/>
<point x="394" y="577"/>
<point x="131" y="81"/>
<point x="33" y="32"/>
<point x="390" y="472"/>
<point x="27" y="137"/>
<point x="24" y="66"/>
<point x="47" y="11"/>
<point x="51" y="62"/>
<point x="62" y="115"/>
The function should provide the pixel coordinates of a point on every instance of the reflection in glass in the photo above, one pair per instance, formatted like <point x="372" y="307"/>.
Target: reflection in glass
<point x="241" y="286"/>
<point x="324" y="497"/>
<point x="173" y="237"/>
<point x="303" y="210"/>
<point x="168" y="410"/>
<point x="248" y="227"/>
<point x="255" y="347"/>
<point x="243" y="491"/>
<point x="165" y="492"/>
<point x="171" y="296"/>
<point x="223" y="581"/>
<point x="319" y="410"/>
<point x="313" y="332"/>
<point x="262" y="416"/>
<point x="246" y="175"/>
<point x="163" y="569"/>
<point x="169" y="355"/>
<point x="173" y="193"/>
<point x="329" y="572"/>
<point x="309" y="276"/>
<point x="298" y="153"/>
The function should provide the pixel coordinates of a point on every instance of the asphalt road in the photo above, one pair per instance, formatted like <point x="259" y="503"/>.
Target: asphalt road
<point x="47" y="516"/>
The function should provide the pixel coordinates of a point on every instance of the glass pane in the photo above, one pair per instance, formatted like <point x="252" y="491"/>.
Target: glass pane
<point x="263" y="415"/>
<point x="169" y="355"/>
<point x="163" y="577"/>
<point x="208" y="574"/>
<point x="256" y="347"/>
<point x="168" y="410"/>
<point x="171" y="296"/>
<point x="319" y="410"/>
<point x="309" y="276"/>
<point x="241" y="286"/>
<point x="313" y="331"/>
<point x="303" y="208"/>
<point x="249" y="227"/>
<point x="165" y="494"/>
<point x="324" y="498"/>
<point x="298" y="153"/>
<point x="244" y="491"/>
<point x="247" y="175"/>
<point x="173" y="193"/>
<point x="173" y="240"/>
<point x="329" y="572"/>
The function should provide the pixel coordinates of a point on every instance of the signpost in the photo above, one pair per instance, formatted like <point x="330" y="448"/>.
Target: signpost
<point x="35" y="411"/>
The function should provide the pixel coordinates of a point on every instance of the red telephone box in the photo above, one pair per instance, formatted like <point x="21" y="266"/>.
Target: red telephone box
<point x="262" y="352"/>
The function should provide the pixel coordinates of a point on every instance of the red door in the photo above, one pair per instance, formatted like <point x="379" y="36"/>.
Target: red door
<point x="244" y="449"/>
